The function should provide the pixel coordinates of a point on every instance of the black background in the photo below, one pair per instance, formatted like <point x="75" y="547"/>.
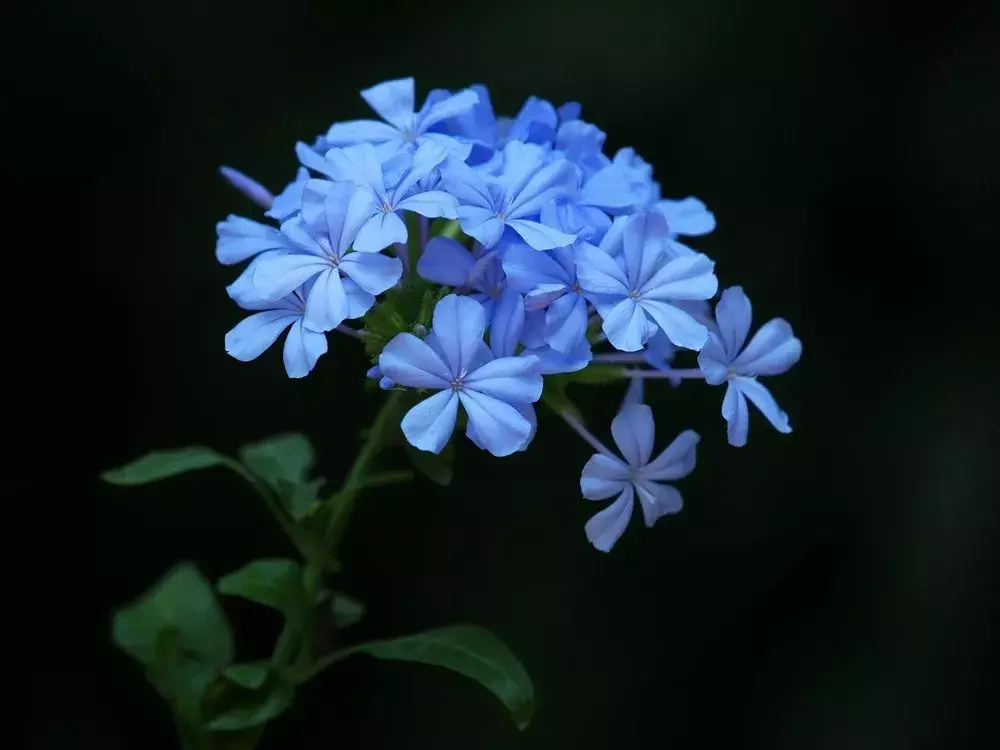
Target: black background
<point x="834" y="588"/>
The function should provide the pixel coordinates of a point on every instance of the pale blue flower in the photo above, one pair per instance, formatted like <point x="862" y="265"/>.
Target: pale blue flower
<point x="240" y="238"/>
<point x="345" y="283"/>
<point x="288" y="202"/>
<point x="255" y="334"/>
<point x="455" y="361"/>
<point x="548" y="280"/>
<point x="511" y="200"/>
<point x="248" y="186"/>
<point x="771" y="351"/>
<point x="404" y="127"/>
<point x="635" y="292"/>
<point x="606" y="475"/>
<point x="393" y="187"/>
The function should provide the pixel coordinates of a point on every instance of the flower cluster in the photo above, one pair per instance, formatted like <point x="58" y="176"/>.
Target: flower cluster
<point x="480" y="255"/>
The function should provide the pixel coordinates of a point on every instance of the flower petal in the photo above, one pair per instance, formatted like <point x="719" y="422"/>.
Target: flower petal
<point x="380" y="231"/>
<point x="429" y="424"/>
<point x="688" y="216"/>
<point x="713" y="360"/>
<point x="510" y="379"/>
<point x="480" y="223"/>
<point x="278" y="275"/>
<point x="358" y="300"/>
<point x="688" y="278"/>
<point x="682" y="329"/>
<point x="763" y="400"/>
<point x="566" y="322"/>
<point x="734" y="411"/>
<point x="254" y="334"/>
<point x="358" y="164"/>
<point x="633" y="431"/>
<point x="677" y="459"/>
<point x="606" y="527"/>
<point x="302" y="349"/>
<point x="409" y="361"/>
<point x="598" y="272"/>
<point x="626" y="326"/>
<point x="540" y="236"/>
<point x="445" y="109"/>
<point x="459" y="323"/>
<point x="771" y="351"/>
<point x="657" y="500"/>
<point x="326" y="306"/>
<point x="241" y="238"/>
<point x="445" y="261"/>
<point x="603" y="477"/>
<point x="527" y="268"/>
<point x="499" y="426"/>
<point x="359" y="131"/>
<point x="645" y="235"/>
<point x="732" y="316"/>
<point x="393" y="100"/>
<point x="346" y="208"/>
<point x="432" y="204"/>
<point x="507" y="323"/>
<point x="551" y="362"/>
<point x="248" y="186"/>
<point x="373" y="272"/>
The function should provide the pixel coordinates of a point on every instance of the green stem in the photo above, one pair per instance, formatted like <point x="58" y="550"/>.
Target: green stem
<point x="280" y="515"/>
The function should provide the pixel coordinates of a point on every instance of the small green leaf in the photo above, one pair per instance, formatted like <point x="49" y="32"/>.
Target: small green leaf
<point x="346" y="610"/>
<point x="436" y="467"/>
<point x="299" y="499"/>
<point x="595" y="374"/>
<point x="183" y="602"/>
<point x="275" y="583"/>
<point x="288" y="457"/>
<point x="241" y="708"/>
<point x="250" y="676"/>
<point x="179" y="679"/>
<point x="467" y="649"/>
<point x="157" y="465"/>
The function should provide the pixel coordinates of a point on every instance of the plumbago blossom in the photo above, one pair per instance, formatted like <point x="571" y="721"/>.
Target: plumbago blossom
<point x="484" y="263"/>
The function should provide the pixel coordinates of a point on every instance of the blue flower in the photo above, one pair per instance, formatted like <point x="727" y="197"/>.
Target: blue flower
<point x="255" y="334"/>
<point x="404" y="127"/>
<point x="480" y="127"/>
<point x="771" y="351"/>
<point x="688" y="217"/>
<point x="489" y="204"/>
<point x="548" y="279"/>
<point x="582" y="143"/>
<point x="448" y="262"/>
<point x="455" y="361"/>
<point x="635" y="292"/>
<point x="606" y="475"/>
<point x="344" y="282"/>
<point x="512" y="326"/>
<point x="397" y="185"/>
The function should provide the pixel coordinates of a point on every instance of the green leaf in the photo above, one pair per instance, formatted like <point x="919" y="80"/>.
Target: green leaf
<point x="447" y="228"/>
<point x="182" y="602"/>
<point x="250" y="676"/>
<point x="346" y="610"/>
<point x="241" y="707"/>
<point x="157" y="465"/>
<point x="179" y="679"/>
<point x="467" y="649"/>
<point x="299" y="499"/>
<point x="595" y="374"/>
<point x="275" y="583"/>
<point x="436" y="467"/>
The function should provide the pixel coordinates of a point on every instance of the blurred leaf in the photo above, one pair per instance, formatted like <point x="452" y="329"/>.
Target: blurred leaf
<point x="467" y="649"/>
<point x="157" y="465"/>
<point x="299" y="499"/>
<point x="183" y="602"/>
<point x="447" y="228"/>
<point x="241" y="707"/>
<point x="436" y="467"/>
<point x="288" y="457"/>
<point x="346" y="610"/>
<point x="595" y="374"/>
<point x="275" y="583"/>
<point x="250" y="676"/>
<point x="179" y="679"/>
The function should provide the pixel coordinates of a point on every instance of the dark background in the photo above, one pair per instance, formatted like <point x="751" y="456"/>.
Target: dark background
<point x="834" y="588"/>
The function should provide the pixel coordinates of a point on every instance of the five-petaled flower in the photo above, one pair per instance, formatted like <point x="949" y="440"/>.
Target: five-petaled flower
<point x="606" y="475"/>
<point x="771" y="351"/>
<point x="455" y="361"/>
